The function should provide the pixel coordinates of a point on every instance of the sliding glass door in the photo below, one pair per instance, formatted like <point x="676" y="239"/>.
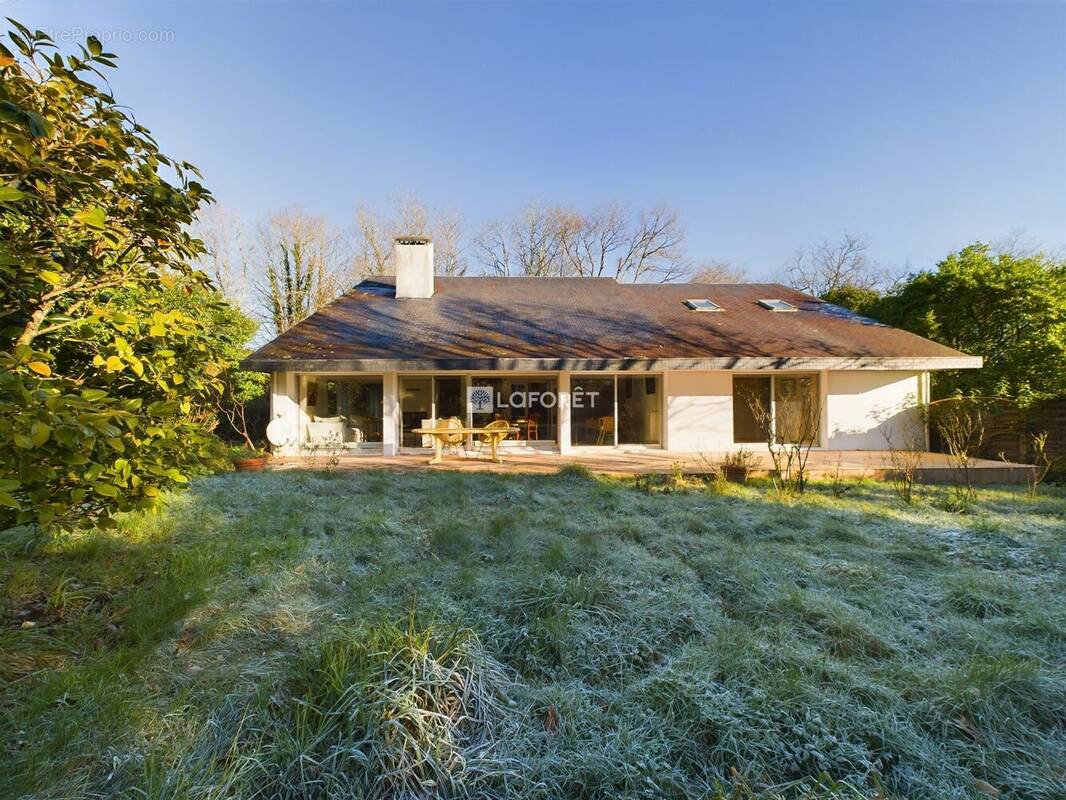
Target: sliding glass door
<point x="787" y="407"/>
<point x="751" y="408"/>
<point x="527" y="403"/>
<point x="638" y="409"/>
<point x="615" y="409"/>
<point x="449" y="399"/>
<point x="344" y="412"/>
<point x="796" y="408"/>
<point x="416" y="408"/>
<point x="592" y="410"/>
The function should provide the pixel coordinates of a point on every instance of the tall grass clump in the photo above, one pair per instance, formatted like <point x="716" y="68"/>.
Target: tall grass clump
<point x="389" y="711"/>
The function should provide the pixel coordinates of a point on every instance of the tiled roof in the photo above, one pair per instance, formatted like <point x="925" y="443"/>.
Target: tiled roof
<point x="570" y="323"/>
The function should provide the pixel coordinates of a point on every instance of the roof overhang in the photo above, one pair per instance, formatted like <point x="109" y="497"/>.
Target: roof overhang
<point x="741" y="363"/>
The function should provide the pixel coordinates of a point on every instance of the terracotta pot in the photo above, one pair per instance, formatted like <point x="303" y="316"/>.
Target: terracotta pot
<point x="735" y="474"/>
<point x="250" y="464"/>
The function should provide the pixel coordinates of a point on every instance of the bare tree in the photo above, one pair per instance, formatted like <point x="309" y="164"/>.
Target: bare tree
<point x="449" y="252"/>
<point x="718" y="271"/>
<point x="790" y="430"/>
<point x="961" y="426"/>
<point x="1042" y="462"/>
<point x="591" y="242"/>
<point x="656" y="248"/>
<point x="373" y="246"/>
<point x="226" y="260"/>
<point x="375" y="233"/>
<point x="302" y="261"/>
<point x="546" y="241"/>
<point x="827" y="265"/>
<point x="906" y="451"/>
<point x="530" y="244"/>
<point x="1017" y="243"/>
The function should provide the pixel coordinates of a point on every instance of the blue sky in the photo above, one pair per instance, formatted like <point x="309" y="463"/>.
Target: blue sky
<point x="922" y="125"/>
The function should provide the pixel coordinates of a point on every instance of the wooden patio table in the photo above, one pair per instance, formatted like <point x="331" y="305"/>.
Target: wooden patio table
<point x="496" y="435"/>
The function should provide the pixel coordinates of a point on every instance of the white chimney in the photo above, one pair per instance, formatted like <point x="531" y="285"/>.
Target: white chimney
<point x="414" y="266"/>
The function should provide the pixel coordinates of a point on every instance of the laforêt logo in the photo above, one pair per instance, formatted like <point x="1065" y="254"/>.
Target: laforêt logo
<point x="479" y="398"/>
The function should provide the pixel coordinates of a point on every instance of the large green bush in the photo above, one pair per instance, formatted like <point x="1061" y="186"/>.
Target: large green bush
<point x="108" y="376"/>
<point x="1010" y="310"/>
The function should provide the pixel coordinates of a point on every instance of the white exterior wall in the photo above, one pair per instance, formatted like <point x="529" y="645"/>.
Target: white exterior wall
<point x="699" y="411"/>
<point x="864" y="406"/>
<point x="859" y="405"/>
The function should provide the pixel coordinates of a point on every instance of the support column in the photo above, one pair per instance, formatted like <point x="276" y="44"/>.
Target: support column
<point x="664" y="411"/>
<point x="563" y="412"/>
<point x="925" y="386"/>
<point x="823" y="408"/>
<point x="390" y="414"/>
<point x="285" y="404"/>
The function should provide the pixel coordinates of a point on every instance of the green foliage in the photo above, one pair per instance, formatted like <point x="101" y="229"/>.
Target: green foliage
<point x="860" y="299"/>
<point x="1008" y="309"/>
<point x="112" y="348"/>
<point x="240" y="452"/>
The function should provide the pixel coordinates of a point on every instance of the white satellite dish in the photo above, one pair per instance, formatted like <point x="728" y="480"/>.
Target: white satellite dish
<point x="279" y="432"/>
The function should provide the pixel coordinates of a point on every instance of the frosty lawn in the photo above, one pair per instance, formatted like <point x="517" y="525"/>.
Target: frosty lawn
<point x="313" y="635"/>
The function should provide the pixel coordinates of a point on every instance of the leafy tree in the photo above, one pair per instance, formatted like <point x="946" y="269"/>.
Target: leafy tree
<point x="239" y="387"/>
<point x="860" y="299"/>
<point x="1011" y="310"/>
<point x="104" y="378"/>
<point x="228" y="329"/>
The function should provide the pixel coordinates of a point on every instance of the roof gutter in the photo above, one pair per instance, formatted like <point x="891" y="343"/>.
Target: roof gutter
<point x="736" y="363"/>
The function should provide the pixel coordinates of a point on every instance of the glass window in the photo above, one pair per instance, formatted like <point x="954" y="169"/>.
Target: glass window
<point x="536" y="420"/>
<point x="496" y="387"/>
<point x="751" y="404"/>
<point x="703" y="304"/>
<point x="527" y="403"/>
<point x="796" y="408"/>
<point x="345" y="410"/>
<point x="416" y="407"/>
<point x="638" y="410"/>
<point x="793" y="413"/>
<point x="592" y="410"/>
<point x="331" y="398"/>
<point x="449" y="398"/>
<point x="777" y="305"/>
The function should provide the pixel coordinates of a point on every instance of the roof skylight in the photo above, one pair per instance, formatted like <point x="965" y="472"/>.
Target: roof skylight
<point x="777" y="305"/>
<point x="703" y="304"/>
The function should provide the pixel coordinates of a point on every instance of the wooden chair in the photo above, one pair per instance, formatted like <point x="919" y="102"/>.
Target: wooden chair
<point x="606" y="430"/>
<point x="532" y="429"/>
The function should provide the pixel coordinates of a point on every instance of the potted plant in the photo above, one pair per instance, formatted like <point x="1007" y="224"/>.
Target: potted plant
<point x="246" y="459"/>
<point x="737" y="465"/>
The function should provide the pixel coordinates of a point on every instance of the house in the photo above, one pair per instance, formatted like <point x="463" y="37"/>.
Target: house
<point x="578" y="363"/>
